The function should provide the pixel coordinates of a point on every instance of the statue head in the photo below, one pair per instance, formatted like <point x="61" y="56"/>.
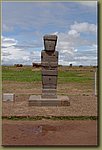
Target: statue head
<point x="50" y="42"/>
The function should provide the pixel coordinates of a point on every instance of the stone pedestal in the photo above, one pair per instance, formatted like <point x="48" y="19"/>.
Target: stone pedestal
<point x="37" y="100"/>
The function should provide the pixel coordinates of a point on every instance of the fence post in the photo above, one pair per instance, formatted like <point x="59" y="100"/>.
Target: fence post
<point x="95" y="83"/>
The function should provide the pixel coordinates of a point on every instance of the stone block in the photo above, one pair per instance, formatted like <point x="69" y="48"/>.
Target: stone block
<point x="52" y="86"/>
<point x="51" y="64"/>
<point x="50" y="37"/>
<point x="54" y="64"/>
<point x="50" y="42"/>
<point x="48" y="80"/>
<point x="8" y="97"/>
<point x="49" y="45"/>
<point x="49" y="93"/>
<point x="45" y="64"/>
<point x="36" y="100"/>
<point x="49" y="72"/>
<point x="49" y="57"/>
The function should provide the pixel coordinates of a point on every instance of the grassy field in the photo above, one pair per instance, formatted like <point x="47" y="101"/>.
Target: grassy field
<point x="75" y="82"/>
<point x="24" y="74"/>
<point x="65" y="74"/>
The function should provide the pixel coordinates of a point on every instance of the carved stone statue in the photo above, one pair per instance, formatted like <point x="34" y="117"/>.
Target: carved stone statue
<point x="49" y="63"/>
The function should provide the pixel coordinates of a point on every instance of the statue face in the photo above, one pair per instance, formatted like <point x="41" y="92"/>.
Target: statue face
<point x="49" y="45"/>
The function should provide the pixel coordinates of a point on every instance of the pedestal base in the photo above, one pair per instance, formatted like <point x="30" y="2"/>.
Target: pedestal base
<point x="36" y="100"/>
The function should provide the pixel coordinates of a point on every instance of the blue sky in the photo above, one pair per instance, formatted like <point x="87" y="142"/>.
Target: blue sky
<point x="25" y="23"/>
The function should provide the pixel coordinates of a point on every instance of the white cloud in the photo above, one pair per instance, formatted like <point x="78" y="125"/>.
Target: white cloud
<point x="68" y="41"/>
<point x="10" y="54"/>
<point x="72" y="46"/>
<point x="73" y="33"/>
<point x="84" y="27"/>
<point x="6" y="42"/>
<point x="69" y="44"/>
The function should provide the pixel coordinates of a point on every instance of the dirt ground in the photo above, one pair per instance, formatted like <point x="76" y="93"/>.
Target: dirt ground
<point x="79" y="106"/>
<point x="35" y="88"/>
<point x="83" y="102"/>
<point x="48" y="132"/>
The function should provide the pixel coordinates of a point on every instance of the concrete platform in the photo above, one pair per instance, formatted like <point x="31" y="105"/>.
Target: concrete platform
<point x="36" y="100"/>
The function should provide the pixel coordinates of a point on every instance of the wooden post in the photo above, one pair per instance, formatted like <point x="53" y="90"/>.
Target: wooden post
<point x="95" y="83"/>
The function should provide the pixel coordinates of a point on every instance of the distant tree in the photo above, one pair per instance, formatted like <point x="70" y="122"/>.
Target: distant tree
<point x="18" y="65"/>
<point x="37" y="65"/>
<point x="70" y="65"/>
<point x="59" y="65"/>
<point x="80" y="65"/>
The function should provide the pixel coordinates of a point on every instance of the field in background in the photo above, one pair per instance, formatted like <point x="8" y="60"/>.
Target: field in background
<point x="65" y="74"/>
<point x="27" y="80"/>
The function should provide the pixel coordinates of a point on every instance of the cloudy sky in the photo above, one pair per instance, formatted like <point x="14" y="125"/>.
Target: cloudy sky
<point x="25" y="23"/>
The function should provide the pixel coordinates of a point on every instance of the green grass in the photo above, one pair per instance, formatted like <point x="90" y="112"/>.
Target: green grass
<point x="74" y="79"/>
<point x="50" y="117"/>
<point x="73" y="76"/>
<point x="25" y="74"/>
